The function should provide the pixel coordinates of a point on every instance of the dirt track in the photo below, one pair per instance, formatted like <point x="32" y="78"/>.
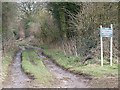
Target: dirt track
<point x="63" y="79"/>
<point x="16" y="78"/>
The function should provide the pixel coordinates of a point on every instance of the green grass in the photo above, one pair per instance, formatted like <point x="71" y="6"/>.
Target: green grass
<point x="97" y="70"/>
<point x="32" y="64"/>
<point x="44" y="46"/>
<point x="73" y="64"/>
<point x="6" y="61"/>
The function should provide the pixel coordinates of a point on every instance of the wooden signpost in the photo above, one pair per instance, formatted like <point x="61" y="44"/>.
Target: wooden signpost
<point x="106" y="32"/>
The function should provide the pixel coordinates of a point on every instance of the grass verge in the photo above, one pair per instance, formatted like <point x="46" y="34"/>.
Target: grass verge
<point x="72" y="63"/>
<point x="6" y="61"/>
<point x="32" y="65"/>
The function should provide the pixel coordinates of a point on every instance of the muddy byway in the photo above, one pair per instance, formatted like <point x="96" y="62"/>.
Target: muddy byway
<point x="63" y="79"/>
<point x="17" y="78"/>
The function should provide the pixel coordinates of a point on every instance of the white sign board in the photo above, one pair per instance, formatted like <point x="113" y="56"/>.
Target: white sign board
<point x="106" y="32"/>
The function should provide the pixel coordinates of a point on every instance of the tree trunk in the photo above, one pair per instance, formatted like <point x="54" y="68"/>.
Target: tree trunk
<point x="21" y="31"/>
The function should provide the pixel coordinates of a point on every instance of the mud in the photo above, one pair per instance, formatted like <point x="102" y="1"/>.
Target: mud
<point x="17" y="79"/>
<point x="64" y="79"/>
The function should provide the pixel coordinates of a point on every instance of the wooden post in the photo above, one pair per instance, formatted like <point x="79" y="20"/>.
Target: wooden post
<point x="101" y="41"/>
<point x="111" y="40"/>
